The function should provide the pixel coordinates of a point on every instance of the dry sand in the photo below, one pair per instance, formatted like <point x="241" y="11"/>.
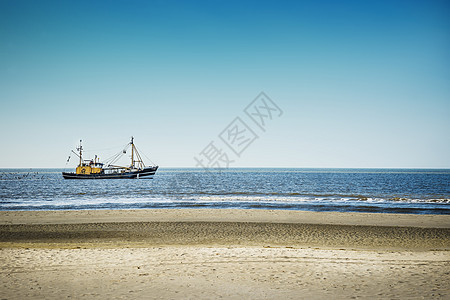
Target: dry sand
<point x="207" y="254"/>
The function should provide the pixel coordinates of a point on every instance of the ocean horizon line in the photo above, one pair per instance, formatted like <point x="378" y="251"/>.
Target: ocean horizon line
<point x="237" y="168"/>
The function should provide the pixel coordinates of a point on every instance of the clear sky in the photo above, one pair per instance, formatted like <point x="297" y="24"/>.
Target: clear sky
<point x="360" y="83"/>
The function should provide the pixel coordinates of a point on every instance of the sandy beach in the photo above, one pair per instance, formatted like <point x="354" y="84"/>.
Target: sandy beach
<point x="204" y="254"/>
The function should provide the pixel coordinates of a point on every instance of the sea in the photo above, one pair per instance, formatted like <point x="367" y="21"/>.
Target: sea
<point x="409" y="191"/>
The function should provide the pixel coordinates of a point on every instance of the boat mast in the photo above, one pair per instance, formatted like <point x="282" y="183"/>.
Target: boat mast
<point x="132" y="152"/>
<point x="135" y="153"/>
<point x="80" y="149"/>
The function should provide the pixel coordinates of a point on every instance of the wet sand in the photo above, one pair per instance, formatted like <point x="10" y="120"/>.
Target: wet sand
<point x="207" y="254"/>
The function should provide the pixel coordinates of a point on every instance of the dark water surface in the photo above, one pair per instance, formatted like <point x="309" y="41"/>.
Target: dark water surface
<point x="416" y="191"/>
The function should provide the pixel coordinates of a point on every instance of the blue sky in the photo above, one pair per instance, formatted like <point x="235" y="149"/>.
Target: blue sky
<point x="360" y="83"/>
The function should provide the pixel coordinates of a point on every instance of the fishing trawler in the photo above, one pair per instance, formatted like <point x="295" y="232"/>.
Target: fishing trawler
<point x="94" y="169"/>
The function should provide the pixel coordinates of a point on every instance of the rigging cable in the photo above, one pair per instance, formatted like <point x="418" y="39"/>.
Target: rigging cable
<point x="146" y="156"/>
<point x="111" y="160"/>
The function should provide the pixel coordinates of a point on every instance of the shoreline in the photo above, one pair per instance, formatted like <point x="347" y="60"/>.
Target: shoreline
<point x="227" y="227"/>
<point x="10" y="217"/>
